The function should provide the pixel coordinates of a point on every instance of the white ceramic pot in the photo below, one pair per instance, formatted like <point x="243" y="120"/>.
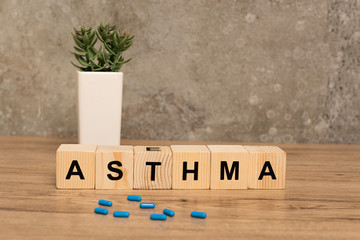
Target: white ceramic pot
<point x="99" y="107"/>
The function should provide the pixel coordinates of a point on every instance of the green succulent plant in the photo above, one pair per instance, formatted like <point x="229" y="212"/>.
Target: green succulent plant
<point x="108" y="57"/>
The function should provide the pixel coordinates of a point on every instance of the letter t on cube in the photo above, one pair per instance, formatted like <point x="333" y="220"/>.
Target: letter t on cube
<point x="152" y="167"/>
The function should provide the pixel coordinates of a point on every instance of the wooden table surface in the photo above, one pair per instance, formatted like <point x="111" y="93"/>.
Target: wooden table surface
<point x="321" y="200"/>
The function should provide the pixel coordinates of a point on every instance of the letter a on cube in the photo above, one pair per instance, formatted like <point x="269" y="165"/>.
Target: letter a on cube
<point x="114" y="167"/>
<point x="267" y="167"/>
<point x="191" y="167"/>
<point x="75" y="166"/>
<point x="229" y="165"/>
<point x="152" y="167"/>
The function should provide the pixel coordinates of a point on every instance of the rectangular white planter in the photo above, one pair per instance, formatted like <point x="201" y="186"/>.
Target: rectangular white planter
<point x="99" y="107"/>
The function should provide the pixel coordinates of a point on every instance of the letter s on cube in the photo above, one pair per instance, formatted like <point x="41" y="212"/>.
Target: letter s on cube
<point x="114" y="167"/>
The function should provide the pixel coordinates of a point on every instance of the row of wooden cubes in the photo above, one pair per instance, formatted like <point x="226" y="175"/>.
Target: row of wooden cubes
<point x="175" y="167"/>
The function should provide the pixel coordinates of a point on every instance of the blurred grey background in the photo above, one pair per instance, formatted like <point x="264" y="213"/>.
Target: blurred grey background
<point x="260" y="71"/>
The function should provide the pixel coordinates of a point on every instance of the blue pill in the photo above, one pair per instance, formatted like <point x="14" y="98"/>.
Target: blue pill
<point x="121" y="214"/>
<point x="147" y="205"/>
<point x="169" y="212"/>
<point x="198" y="214"/>
<point x="133" y="198"/>
<point x="102" y="211"/>
<point x="161" y="217"/>
<point x="105" y="202"/>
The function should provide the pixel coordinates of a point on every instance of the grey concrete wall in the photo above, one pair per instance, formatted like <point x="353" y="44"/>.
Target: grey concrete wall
<point x="263" y="71"/>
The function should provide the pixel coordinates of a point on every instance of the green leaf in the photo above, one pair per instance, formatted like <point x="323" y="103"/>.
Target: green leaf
<point x="114" y="38"/>
<point x="117" y="67"/>
<point x="76" y="54"/>
<point x="100" y="68"/>
<point x="104" y="55"/>
<point x="86" y="39"/>
<point x="102" y="33"/>
<point x="91" y="36"/>
<point x="81" y="68"/>
<point x="80" y="50"/>
<point x="126" y="47"/>
<point x="78" y="37"/>
<point x="122" y="43"/>
<point x="107" y="48"/>
<point x="112" y="34"/>
<point x="97" y="65"/>
<point x="93" y="42"/>
<point x="112" y="62"/>
<point x="93" y="51"/>
<point x="79" y="44"/>
<point x="99" y="37"/>
<point x="87" y="57"/>
<point x="127" y="60"/>
<point x="82" y="61"/>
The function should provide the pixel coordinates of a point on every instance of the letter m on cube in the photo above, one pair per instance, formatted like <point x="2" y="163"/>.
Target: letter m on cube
<point x="228" y="166"/>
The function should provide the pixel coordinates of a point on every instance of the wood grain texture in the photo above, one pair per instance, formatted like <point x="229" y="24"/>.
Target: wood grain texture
<point x="320" y="201"/>
<point x="107" y="154"/>
<point x="191" y="155"/>
<point x="236" y="158"/>
<point x="144" y="155"/>
<point x="276" y="163"/>
<point x="81" y="154"/>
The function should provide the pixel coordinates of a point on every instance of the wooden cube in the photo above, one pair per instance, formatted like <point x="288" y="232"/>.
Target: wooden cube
<point x="191" y="167"/>
<point x="267" y="167"/>
<point x="152" y="167"/>
<point x="229" y="165"/>
<point x="114" y="167"/>
<point x="75" y="166"/>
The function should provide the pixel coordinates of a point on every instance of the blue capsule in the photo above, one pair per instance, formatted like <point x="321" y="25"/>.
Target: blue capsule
<point x="134" y="198"/>
<point x="169" y="212"/>
<point x="161" y="217"/>
<point x="198" y="214"/>
<point x="121" y="214"/>
<point x="105" y="202"/>
<point x="102" y="211"/>
<point x="147" y="205"/>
